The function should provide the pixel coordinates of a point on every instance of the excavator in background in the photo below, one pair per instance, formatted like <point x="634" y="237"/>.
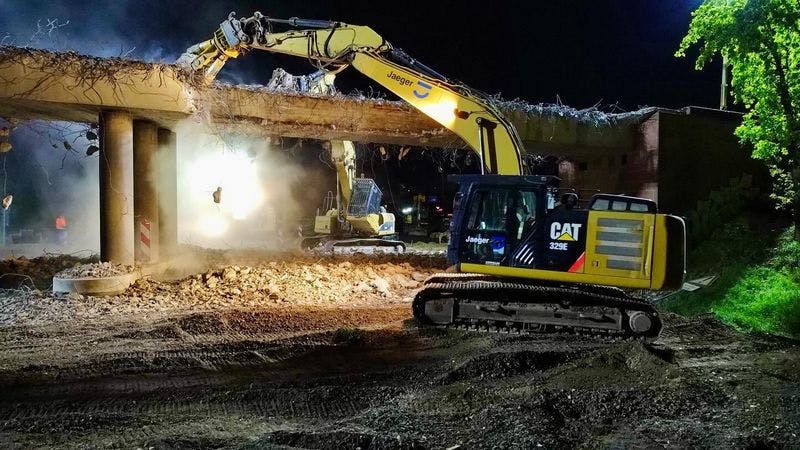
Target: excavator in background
<point x="354" y="216"/>
<point x="524" y="259"/>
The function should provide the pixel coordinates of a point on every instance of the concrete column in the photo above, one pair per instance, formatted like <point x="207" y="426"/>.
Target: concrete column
<point x="168" y="192"/>
<point x="145" y="193"/>
<point x="116" y="187"/>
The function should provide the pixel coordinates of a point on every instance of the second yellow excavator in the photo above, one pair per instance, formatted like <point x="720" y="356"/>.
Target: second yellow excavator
<point x="528" y="260"/>
<point x="353" y="217"/>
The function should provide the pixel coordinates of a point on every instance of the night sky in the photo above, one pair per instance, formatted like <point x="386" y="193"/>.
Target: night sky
<point x="583" y="52"/>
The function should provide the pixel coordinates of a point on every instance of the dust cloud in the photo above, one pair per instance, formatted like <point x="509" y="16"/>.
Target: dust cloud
<point x="268" y="188"/>
<point x="49" y="174"/>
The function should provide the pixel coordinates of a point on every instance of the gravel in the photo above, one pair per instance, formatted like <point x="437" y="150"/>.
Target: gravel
<point x="259" y="281"/>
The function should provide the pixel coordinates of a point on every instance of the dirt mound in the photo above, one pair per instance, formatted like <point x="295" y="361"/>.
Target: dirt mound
<point x="701" y="328"/>
<point x="168" y="331"/>
<point x="36" y="272"/>
<point x="623" y="363"/>
<point x="202" y="323"/>
<point x="505" y="364"/>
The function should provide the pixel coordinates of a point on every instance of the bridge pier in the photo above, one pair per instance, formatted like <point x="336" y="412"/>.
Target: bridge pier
<point x="116" y="187"/>
<point x="145" y="193"/>
<point x="167" y="192"/>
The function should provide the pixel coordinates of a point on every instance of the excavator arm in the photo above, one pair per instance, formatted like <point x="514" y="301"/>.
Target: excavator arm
<point x="333" y="46"/>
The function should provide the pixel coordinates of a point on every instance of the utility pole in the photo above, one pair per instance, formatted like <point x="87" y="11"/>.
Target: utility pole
<point x="723" y="90"/>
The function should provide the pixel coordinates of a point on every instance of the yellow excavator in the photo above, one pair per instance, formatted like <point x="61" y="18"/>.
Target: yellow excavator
<point x="353" y="217"/>
<point x="524" y="258"/>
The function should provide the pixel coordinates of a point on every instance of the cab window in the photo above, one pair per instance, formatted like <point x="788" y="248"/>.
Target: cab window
<point x="502" y="210"/>
<point x="488" y="211"/>
<point x="497" y="220"/>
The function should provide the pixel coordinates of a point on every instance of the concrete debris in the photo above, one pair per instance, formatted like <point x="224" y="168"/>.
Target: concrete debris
<point x="416" y="276"/>
<point x="593" y="116"/>
<point x="240" y="282"/>
<point x="217" y="195"/>
<point x="405" y="282"/>
<point x="95" y="270"/>
<point x="381" y="285"/>
<point x="229" y="273"/>
<point x="283" y="81"/>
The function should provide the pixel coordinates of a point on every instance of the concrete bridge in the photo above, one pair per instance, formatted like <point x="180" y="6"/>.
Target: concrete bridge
<point x="137" y="105"/>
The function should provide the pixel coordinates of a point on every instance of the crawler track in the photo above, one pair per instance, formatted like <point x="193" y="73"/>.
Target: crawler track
<point x="486" y="303"/>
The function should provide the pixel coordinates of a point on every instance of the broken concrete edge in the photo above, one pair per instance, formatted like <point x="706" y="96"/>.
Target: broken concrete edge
<point x="115" y="69"/>
<point x="71" y="62"/>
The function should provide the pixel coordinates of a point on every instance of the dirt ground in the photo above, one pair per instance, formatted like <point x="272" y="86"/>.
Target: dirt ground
<point x="251" y="350"/>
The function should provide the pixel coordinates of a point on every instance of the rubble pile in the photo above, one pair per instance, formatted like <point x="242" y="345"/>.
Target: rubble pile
<point x="94" y="270"/>
<point x="285" y="282"/>
<point x="282" y="281"/>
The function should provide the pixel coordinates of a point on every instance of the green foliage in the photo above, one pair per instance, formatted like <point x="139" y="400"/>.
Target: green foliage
<point x="726" y="253"/>
<point x="786" y="255"/>
<point x="764" y="299"/>
<point x="760" y="39"/>
<point x="758" y="288"/>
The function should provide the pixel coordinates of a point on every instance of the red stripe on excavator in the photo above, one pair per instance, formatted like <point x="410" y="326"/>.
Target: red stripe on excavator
<point x="578" y="264"/>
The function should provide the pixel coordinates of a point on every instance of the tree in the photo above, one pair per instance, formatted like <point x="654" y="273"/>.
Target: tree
<point x="760" y="40"/>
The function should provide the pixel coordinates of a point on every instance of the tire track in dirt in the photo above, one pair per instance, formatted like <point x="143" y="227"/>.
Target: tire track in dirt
<point x="168" y="396"/>
<point x="318" y="381"/>
<point x="192" y="337"/>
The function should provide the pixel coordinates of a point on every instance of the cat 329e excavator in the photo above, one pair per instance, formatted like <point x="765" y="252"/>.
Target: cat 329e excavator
<point x="525" y="259"/>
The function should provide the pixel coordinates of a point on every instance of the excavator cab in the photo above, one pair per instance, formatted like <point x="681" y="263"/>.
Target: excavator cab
<point x="513" y="226"/>
<point x="497" y="218"/>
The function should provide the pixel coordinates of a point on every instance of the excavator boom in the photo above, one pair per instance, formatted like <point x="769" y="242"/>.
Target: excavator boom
<point x="333" y="46"/>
